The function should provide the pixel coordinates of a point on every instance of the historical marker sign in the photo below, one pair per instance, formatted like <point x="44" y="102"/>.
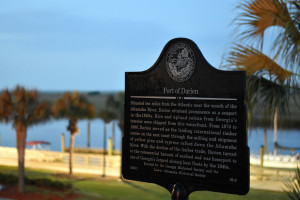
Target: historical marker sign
<point x="185" y="123"/>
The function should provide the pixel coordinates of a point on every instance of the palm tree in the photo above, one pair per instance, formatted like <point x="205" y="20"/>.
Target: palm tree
<point x="115" y="108"/>
<point x="23" y="109"/>
<point x="106" y="115"/>
<point x="269" y="96"/>
<point x="269" y="84"/>
<point x="115" y="104"/>
<point x="72" y="106"/>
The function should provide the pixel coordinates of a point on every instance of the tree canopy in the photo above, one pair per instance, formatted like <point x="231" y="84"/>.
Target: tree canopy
<point x="22" y="106"/>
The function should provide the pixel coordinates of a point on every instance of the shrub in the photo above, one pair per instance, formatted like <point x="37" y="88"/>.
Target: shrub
<point x="10" y="179"/>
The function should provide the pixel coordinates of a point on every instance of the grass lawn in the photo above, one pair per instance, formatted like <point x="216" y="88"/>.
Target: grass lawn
<point x="112" y="189"/>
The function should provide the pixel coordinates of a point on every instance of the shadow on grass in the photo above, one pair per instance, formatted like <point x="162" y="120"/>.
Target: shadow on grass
<point x="137" y="186"/>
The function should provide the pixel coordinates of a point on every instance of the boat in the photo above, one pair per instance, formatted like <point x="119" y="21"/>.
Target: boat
<point x="39" y="145"/>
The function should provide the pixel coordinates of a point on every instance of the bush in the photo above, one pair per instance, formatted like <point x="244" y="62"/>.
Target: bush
<point x="10" y="179"/>
<point x="50" y="183"/>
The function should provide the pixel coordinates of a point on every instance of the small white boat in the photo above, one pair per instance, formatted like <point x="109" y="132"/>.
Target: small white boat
<point x="39" y="145"/>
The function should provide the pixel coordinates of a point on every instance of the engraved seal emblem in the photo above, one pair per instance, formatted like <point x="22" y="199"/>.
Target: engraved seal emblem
<point x="181" y="62"/>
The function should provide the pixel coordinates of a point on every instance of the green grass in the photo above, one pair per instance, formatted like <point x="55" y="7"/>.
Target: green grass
<point x="110" y="189"/>
<point x="135" y="190"/>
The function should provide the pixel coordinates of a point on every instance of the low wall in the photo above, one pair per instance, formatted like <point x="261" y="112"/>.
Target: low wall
<point x="57" y="161"/>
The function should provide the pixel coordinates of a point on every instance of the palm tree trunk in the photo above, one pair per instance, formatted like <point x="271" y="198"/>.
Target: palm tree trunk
<point x="275" y="130"/>
<point x="89" y="134"/>
<point x="21" y="143"/>
<point x="71" y="150"/>
<point x="113" y="136"/>
<point x="265" y="141"/>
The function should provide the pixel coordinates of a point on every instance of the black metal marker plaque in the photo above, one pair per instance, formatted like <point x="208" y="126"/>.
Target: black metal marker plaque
<point x="185" y="123"/>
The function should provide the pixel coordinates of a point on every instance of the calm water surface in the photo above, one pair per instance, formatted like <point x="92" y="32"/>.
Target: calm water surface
<point x="288" y="138"/>
<point x="51" y="132"/>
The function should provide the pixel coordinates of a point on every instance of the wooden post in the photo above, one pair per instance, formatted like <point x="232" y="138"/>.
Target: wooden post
<point x="62" y="142"/>
<point x="109" y="150"/>
<point x="262" y="156"/>
<point x="104" y="150"/>
<point x="87" y="160"/>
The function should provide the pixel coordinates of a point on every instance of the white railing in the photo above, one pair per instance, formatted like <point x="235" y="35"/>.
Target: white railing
<point x="57" y="161"/>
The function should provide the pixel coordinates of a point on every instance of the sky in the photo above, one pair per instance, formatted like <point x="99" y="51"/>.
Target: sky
<point x="88" y="45"/>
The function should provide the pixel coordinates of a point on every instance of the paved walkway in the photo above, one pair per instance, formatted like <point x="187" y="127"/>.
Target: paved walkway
<point x="272" y="179"/>
<point x="267" y="185"/>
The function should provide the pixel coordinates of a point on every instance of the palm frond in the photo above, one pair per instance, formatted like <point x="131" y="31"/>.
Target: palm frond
<point x="40" y="113"/>
<point x="21" y="105"/>
<point x="292" y="190"/>
<point x="267" y="95"/>
<point x="107" y="115"/>
<point x="6" y="106"/>
<point x="257" y="16"/>
<point x="254" y="61"/>
<point x="287" y="43"/>
<point x="115" y="104"/>
<point x="73" y="105"/>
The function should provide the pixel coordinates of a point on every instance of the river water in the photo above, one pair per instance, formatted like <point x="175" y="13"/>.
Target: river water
<point x="52" y="130"/>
